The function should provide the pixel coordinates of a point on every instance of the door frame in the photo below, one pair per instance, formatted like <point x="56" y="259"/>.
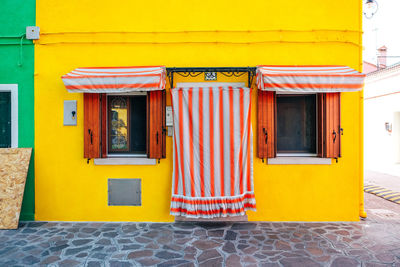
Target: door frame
<point x="13" y="88"/>
<point x="242" y="218"/>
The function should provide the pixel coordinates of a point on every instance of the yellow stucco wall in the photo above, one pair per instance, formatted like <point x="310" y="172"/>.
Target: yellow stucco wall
<point x="79" y="33"/>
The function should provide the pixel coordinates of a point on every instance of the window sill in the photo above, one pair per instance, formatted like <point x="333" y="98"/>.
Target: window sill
<point x="125" y="161"/>
<point x="299" y="161"/>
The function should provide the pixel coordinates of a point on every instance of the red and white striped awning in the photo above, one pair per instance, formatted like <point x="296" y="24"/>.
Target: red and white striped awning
<point x="318" y="79"/>
<point x="115" y="79"/>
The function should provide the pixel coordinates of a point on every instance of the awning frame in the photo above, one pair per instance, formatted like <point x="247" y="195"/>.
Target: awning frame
<point x="226" y="71"/>
<point x="251" y="72"/>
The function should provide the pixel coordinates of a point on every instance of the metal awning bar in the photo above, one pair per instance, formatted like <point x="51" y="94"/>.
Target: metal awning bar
<point x="226" y="71"/>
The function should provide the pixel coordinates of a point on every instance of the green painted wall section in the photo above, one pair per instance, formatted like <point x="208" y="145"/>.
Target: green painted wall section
<point x="17" y="67"/>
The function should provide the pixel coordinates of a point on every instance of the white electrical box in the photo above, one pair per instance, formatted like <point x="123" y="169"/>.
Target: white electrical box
<point x="32" y="32"/>
<point x="169" y="120"/>
<point x="170" y="131"/>
<point x="70" y="112"/>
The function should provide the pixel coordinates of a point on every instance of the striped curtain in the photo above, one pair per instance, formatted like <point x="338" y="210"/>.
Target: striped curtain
<point x="213" y="152"/>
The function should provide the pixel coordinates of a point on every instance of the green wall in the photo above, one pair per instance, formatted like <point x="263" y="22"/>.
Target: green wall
<point x="17" y="67"/>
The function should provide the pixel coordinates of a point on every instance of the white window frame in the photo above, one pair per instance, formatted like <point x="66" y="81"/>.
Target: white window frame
<point x="123" y="159"/>
<point x="13" y="88"/>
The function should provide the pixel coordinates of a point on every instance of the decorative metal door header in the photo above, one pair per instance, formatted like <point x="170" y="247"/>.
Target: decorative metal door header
<point x="226" y="71"/>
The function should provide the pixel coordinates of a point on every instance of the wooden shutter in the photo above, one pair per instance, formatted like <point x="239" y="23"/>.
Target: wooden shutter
<point x="156" y="135"/>
<point x="329" y="128"/>
<point x="266" y="124"/>
<point x="91" y="125"/>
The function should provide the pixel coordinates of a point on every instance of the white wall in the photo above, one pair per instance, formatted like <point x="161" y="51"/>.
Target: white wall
<point x="381" y="105"/>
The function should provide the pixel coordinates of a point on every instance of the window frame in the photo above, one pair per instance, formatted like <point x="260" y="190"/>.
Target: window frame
<point x="107" y="123"/>
<point x="13" y="89"/>
<point x="95" y="126"/>
<point x="328" y="123"/>
<point x="298" y="154"/>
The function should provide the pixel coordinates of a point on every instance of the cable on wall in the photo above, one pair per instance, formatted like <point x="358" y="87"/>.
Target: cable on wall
<point x="20" y="44"/>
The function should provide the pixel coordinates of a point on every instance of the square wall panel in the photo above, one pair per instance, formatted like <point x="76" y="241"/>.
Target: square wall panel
<point x="124" y="192"/>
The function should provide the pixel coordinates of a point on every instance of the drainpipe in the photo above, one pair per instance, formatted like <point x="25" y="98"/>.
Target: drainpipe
<point x="362" y="212"/>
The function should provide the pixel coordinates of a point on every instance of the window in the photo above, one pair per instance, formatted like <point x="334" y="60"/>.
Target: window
<point x="296" y="124"/>
<point x="124" y="125"/>
<point x="127" y="124"/>
<point x="299" y="125"/>
<point x="5" y="119"/>
<point x="8" y="115"/>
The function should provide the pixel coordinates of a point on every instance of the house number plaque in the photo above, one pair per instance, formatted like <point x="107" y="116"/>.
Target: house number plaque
<point x="210" y="76"/>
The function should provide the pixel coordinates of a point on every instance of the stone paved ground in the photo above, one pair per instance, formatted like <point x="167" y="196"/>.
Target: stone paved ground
<point x="374" y="242"/>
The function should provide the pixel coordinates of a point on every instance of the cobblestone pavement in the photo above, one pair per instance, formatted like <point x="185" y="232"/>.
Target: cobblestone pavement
<point x="374" y="242"/>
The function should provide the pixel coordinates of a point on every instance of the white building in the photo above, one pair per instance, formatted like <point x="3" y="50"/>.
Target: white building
<point x="382" y="120"/>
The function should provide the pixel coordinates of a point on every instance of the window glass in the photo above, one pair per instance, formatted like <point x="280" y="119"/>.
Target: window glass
<point x="118" y="117"/>
<point x="127" y="124"/>
<point x="138" y="124"/>
<point x="5" y="119"/>
<point x="296" y="124"/>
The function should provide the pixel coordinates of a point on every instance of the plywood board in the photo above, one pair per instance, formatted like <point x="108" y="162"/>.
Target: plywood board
<point x="14" y="163"/>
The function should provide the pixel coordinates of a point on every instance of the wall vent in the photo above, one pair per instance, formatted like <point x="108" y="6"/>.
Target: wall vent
<point x="124" y="192"/>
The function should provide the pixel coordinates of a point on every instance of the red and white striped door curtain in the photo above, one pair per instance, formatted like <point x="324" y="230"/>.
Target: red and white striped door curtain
<point x="213" y="152"/>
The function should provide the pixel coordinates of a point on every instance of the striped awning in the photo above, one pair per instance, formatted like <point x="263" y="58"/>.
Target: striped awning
<point x="115" y="79"/>
<point x="318" y="79"/>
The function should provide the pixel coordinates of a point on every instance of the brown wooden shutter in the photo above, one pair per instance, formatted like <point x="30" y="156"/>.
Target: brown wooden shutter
<point x="91" y="125"/>
<point x="156" y="135"/>
<point x="266" y="124"/>
<point x="329" y="130"/>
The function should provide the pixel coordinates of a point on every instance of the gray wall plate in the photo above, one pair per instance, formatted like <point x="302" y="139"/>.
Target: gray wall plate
<point x="124" y="192"/>
<point x="70" y="112"/>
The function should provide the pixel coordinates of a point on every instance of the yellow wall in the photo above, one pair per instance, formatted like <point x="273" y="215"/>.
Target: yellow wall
<point x="176" y="33"/>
